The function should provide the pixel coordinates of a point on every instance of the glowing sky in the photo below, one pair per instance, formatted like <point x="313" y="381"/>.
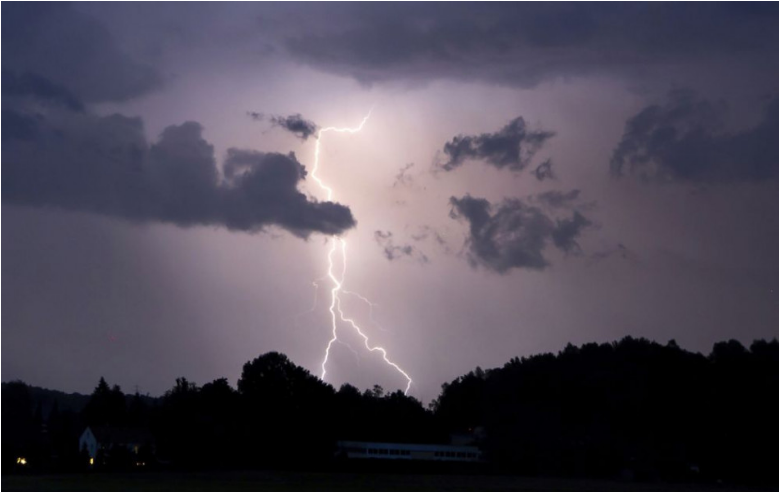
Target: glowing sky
<point x="663" y="117"/>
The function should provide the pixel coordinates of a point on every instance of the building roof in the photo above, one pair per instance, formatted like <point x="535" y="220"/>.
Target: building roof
<point x="121" y="435"/>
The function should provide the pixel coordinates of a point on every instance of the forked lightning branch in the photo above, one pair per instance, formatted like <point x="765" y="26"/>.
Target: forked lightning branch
<point x="340" y="246"/>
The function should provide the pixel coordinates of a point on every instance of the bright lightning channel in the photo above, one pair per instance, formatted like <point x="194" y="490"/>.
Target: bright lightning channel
<point x="335" y="307"/>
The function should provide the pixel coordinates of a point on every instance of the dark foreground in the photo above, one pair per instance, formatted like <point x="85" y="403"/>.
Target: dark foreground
<point x="342" y="481"/>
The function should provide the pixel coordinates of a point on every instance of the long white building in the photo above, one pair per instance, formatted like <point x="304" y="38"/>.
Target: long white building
<point x="397" y="451"/>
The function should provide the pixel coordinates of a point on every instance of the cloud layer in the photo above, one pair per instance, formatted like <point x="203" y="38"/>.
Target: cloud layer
<point x="524" y="44"/>
<point x="55" y="42"/>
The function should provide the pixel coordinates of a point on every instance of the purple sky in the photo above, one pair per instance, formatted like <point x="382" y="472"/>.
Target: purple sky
<point x="530" y="175"/>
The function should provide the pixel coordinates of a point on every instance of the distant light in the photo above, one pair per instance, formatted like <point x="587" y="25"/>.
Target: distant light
<point x="92" y="461"/>
<point x="21" y="461"/>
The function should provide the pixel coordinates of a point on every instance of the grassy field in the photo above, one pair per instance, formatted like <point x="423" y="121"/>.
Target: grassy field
<point x="309" y="481"/>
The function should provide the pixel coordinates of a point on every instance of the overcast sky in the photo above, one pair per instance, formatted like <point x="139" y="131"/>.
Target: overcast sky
<point x="530" y="175"/>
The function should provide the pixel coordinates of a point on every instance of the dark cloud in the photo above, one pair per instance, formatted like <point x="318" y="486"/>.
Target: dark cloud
<point x="19" y="126"/>
<point x="39" y="88"/>
<point x="511" y="147"/>
<point x="566" y="232"/>
<point x="67" y="50"/>
<point x="394" y="251"/>
<point x="682" y="140"/>
<point x="263" y="190"/>
<point x="544" y="171"/>
<point x="104" y="165"/>
<point x="295" y="124"/>
<point x="255" y="116"/>
<point x="514" y="234"/>
<point x="524" y="44"/>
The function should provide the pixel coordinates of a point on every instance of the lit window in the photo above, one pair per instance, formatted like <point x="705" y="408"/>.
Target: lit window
<point x="92" y="461"/>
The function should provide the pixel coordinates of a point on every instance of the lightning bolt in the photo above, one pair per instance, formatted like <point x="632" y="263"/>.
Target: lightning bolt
<point x="371" y="305"/>
<point x="335" y="307"/>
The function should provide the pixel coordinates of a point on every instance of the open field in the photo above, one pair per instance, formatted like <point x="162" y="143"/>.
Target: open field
<point x="311" y="481"/>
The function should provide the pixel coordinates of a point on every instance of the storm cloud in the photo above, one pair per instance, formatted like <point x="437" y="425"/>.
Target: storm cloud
<point x="544" y="171"/>
<point x="55" y="42"/>
<point x="525" y="44"/>
<point x="33" y="86"/>
<point x="514" y="234"/>
<point x="567" y="230"/>
<point x="512" y="147"/>
<point x="104" y="165"/>
<point x="295" y="124"/>
<point x="682" y="141"/>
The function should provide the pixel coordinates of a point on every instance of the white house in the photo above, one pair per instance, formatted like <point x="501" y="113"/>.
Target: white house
<point x="103" y="438"/>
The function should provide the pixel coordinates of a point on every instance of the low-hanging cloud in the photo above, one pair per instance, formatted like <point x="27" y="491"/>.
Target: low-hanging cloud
<point x="682" y="141"/>
<point x="295" y="124"/>
<point x="513" y="233"/>
<point x="103" y="164"/>
<point x="512" y="147"/>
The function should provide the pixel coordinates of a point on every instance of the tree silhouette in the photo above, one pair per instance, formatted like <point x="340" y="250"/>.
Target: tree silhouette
<point x="106" y="406"/>
<point x="632" y="408"/>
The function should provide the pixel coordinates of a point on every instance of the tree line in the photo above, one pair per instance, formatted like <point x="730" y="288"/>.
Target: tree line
<point x="632" y="408"/>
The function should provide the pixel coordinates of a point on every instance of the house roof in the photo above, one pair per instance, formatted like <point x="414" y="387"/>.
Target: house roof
<point x="121" y="435"/>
